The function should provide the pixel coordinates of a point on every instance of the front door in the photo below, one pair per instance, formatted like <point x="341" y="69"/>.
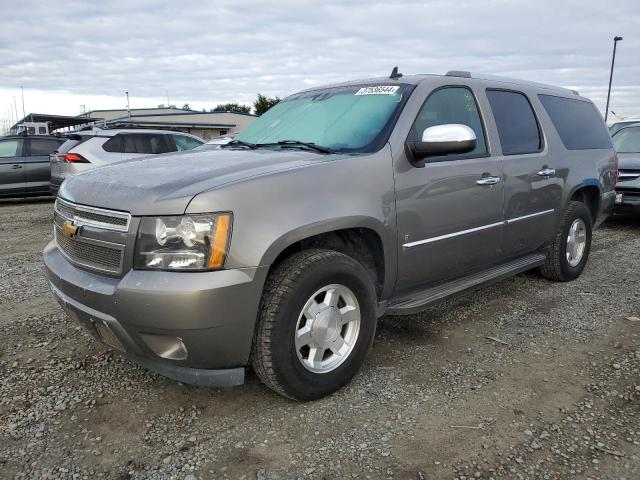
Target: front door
<point x="449" y="212"/>
<point x="532" y="180"/>
<point x="12" y="176"/>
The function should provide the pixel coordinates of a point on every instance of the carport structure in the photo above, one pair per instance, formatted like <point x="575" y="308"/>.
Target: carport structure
<point x="56" y="122"/>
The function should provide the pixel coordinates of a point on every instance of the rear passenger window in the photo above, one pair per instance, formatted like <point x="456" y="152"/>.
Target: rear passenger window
<point x="147" y="143"/>
<point x="517" y="125"/>
<point x="578" y="123"/>
<point x="451" y="105"/>
<point x="43" y="146"/>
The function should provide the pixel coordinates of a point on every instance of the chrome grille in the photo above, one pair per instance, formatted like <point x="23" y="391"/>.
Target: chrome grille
<point x="628" y="174"/>
<point x="629" y="192"/>
<point x="92" y="254"/>
<point x="92" y="216"/>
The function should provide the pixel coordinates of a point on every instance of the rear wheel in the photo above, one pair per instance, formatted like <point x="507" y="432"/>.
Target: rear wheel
<point x="569" y="253"/>
<point x="316" y="323"/>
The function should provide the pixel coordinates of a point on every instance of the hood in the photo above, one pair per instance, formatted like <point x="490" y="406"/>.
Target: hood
<point x="164" y="185"/>
<point x="629" y="161"/>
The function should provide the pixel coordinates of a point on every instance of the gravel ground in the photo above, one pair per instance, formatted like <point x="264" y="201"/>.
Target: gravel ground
<point x="556" y="397"/>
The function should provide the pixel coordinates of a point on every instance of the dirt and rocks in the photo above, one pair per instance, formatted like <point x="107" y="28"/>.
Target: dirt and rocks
<point x="553" y="394"/>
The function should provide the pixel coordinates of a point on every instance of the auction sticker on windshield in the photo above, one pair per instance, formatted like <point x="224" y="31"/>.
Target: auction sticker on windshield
<point x="379" y="90"/>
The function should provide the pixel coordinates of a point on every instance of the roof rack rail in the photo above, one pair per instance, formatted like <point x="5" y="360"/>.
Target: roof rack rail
<point x="123" y="125"/>
<point x="458" y="73"/>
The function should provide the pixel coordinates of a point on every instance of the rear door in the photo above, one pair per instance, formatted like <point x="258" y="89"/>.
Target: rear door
<point x="37" y="166"/>
<point x="12" y="176"/>
<point x="532" y="187"/>
<point x="449" y="212"/>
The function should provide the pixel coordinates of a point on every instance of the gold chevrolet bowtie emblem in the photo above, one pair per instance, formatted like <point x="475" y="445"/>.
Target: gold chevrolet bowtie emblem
<point x="69" y="228"/>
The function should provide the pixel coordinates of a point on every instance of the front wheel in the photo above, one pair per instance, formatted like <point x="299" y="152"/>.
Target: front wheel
<point x="569" y="253"/>
<point x="316" y="323"/>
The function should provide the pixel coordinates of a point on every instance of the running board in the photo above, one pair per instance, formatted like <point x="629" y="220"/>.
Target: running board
<point x="416" y="301"/>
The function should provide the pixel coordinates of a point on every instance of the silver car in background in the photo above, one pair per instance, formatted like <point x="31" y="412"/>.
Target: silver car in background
<point x="88" y="149"/>
<point x="216" y="142"/>
<point x="627" y="143"/>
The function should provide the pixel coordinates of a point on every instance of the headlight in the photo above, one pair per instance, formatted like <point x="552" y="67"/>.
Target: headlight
<point x="189" y="242"/>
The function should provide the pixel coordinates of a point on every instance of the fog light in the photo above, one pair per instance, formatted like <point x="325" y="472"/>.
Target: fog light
<point x="164" y="346"/>
<point x="107" y="336"/>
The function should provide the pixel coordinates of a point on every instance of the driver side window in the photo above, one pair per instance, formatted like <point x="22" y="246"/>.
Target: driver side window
<point x="451" y="105"/>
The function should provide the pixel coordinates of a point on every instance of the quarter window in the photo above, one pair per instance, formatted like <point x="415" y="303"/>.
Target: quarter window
<point x="578" y="123"/>
<point x="517" y="125"/>
<point x="10" y="148"/>
<point x="451" y="105"/>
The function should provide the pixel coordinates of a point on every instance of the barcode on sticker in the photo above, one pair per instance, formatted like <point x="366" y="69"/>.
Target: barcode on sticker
<point x="379" y="90"/>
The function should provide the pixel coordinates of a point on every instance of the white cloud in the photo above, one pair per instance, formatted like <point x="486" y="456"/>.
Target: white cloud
<point x="91" y="52"/>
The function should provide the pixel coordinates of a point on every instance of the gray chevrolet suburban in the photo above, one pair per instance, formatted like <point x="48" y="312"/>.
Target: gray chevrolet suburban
<point x="341" y="204"/>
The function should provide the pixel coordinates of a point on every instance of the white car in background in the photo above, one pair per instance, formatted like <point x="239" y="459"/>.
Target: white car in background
<point x="615" y="127"/>
<point x="87" y="149"/>
<point x="216" y="142"/>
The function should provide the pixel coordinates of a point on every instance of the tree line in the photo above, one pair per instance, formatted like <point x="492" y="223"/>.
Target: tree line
<point x="261" y="104"/>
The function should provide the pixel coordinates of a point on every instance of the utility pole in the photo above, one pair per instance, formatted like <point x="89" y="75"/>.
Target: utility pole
<point x="24" y="113"/>
<point x="616" y="39"/>
<point x="128" y="109"/>
<point x="15" y="108"/>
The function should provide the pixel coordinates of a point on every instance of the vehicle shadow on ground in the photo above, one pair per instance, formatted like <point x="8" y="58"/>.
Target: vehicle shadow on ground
<point x="622" y="221"/>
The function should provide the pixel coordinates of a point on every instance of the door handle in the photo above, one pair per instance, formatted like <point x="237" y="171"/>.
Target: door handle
<point x="488" y="181"/>
<point x="15" y="167"/>
<point x="547" y="172"/>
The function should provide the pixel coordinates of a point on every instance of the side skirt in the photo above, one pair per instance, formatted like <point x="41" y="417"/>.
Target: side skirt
<point x="415" y="301"/>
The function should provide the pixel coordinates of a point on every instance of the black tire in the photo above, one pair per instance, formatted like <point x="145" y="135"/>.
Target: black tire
<point x="556" y="266"/>
<point x="292" y="283"/>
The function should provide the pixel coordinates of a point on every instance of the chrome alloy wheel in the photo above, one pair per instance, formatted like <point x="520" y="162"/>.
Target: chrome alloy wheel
<point x="576" y="242"/>
<point x="327" y="328"/>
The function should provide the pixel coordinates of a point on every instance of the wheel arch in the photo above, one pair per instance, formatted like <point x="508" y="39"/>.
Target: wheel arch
<point x="362" y="238"/>
<point x="588" y="192"/>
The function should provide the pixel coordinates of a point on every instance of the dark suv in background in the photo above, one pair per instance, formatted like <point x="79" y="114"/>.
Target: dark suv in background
<point x="24" y="164"/>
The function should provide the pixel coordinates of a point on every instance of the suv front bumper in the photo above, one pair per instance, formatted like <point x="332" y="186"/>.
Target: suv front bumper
<point x="630" y="191"/>
<point x="195" y="327"/>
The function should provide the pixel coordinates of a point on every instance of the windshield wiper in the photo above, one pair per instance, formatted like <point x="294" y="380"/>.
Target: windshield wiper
<point x="297" y="143"/>
<point x="236" y="143"/>
<point x="311" y="145"/>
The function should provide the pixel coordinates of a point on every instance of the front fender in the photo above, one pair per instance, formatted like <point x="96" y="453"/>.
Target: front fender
<point x="274" y="211"/>
<point x="318" y="228"/>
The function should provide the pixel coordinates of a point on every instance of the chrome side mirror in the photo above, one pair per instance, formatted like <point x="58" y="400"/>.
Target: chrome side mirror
<point x="444" y="140"/>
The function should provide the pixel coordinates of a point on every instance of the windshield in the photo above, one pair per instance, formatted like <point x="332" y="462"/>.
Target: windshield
<point x="627" y="140"/>
<point x="354" y="118"/>
<point x="613" y="129"/>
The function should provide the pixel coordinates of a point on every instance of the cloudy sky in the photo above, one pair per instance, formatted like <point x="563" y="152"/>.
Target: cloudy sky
<point x="73" y="53"/>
